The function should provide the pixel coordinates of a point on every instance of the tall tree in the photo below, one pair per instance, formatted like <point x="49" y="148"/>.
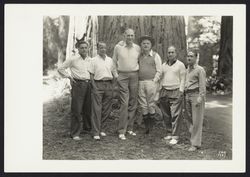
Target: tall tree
<point x="166" y="30"/>
<point x="226" y="47"/>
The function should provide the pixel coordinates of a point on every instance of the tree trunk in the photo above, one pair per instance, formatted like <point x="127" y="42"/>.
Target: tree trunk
<point x="226" y="46"/>
<point x="63" y="29"/>
<point x="166" y="30"/>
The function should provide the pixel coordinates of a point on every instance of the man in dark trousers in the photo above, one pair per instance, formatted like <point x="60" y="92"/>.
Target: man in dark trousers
<point x="171" y="94"/>
<point x="80" y="81"/>
<point x="102" y="72"/>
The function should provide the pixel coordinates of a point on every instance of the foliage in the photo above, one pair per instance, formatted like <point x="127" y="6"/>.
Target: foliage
<point x="204" y="36"/>
<point x="55" y="31"/>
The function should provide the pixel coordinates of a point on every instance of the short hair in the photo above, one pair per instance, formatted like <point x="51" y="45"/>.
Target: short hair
<point x="78" y="43"/>
<point x="100" y="42"/>
<point x="171" y="46"/>
<point x="127" y="29"/>
<point x="193" y="51"/>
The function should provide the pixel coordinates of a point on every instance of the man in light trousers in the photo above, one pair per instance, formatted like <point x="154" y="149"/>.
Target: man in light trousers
<point x="195" y="92"/>
<point x="149" y="76"/>
<point x="126" y="59"/>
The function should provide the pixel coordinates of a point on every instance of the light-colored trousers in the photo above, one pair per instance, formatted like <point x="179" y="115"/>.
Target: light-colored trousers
<point x="128" y="91"/>
<point x="146" y="96"/>
<point x="195" y="113"/>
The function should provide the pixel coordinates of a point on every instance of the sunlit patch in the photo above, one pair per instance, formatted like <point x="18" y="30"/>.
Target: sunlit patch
<point x="217" y="104"/>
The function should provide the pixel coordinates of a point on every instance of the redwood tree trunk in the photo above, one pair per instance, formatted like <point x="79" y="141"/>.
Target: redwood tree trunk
<point x="226" y="47"/>
<point x="166" y="30"/>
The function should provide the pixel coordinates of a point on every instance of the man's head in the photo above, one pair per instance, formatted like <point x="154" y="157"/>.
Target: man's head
<point x="191" y="57"/>
<point x="82" y="47"/>
<point x="146" y="43"/>
<point x="129" y="36"/>
<point x="101" y="48"/>
<point x="172" y="54"/>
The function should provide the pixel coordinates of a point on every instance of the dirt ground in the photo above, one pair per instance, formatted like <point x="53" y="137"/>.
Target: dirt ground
<point x="57" y="144"/>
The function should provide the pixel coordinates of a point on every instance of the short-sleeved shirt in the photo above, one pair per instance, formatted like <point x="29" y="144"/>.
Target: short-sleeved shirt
<point x="78" y="67"/>
<point x="126" y="57"/>
<point x="101" y="68"/>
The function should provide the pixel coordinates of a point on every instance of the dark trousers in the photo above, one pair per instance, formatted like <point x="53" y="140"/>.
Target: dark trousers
<point x="101" y="105"/>
<point x="80" y="107"/>
<point x="171" y="107"/>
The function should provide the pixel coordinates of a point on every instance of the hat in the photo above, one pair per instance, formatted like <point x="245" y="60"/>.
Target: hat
<point x="148" y="38"/>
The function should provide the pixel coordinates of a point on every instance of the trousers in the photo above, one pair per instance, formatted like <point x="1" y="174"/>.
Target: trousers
<point x="101" y="106"/>
<point x="128" y="94"/>
<point x="171" y="107"/>
<point x="146" y="96"/>
<point x="80" y="107"/>
<point x="195" y="113"/>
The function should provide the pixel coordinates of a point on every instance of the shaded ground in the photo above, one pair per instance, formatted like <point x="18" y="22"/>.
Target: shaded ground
<point x="217" y="135"/>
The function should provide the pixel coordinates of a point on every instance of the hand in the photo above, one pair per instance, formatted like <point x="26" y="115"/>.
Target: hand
<point x="72" y="80"/>
<point x="199" y="100"/>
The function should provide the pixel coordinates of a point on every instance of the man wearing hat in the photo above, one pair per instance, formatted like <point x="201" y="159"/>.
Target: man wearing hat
<point x="81" y="94"/>
<point x="149" y="75"/>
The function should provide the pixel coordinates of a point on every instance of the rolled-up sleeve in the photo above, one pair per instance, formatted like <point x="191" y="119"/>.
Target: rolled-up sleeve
<point x="63" y="67"/>
<point x="158" y="64"/>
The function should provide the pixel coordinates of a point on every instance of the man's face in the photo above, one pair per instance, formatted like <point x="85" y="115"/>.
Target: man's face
<point x="191" y="59"/>
<point x="146" y="45"/>
<point x="171" y="53"/>
<point x="83" y="49"/>
<point x="129" y="36"/>
<point x="102" y="49"/>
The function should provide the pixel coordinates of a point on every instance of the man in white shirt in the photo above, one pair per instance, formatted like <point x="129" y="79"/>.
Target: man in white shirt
<point x="171" y="94"/>
<point x="80" y="93"/>
<point x="126" y="59"/>
<point x="102" y="71"/>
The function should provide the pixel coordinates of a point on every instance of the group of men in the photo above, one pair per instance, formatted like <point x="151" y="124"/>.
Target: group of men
<point x="140" y="74"/>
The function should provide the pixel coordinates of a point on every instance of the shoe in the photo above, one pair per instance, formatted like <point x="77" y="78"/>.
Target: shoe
<point x="192" y="149"/>
<point x="77" y="138"/>
<point x="103" y="134"/>
<point x="97" y="137"/>
<point x="122" y="137"/>
<point x="132" y="133"/>
<point x="173" y="141"/>
<point x="169" y="137"/>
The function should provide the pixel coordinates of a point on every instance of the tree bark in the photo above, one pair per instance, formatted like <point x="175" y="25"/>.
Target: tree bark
<point x="166" y="30"/>
<point x="226" y="47"/>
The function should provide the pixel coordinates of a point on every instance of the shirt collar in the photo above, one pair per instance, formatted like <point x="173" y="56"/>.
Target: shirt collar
<point x="102" y="57"/>
<point x="193" y="67"/>
<point x="127" y="45"/>
<point x="150" y="53"/>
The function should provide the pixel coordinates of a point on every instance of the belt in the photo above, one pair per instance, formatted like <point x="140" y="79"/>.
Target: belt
<point x="78" y="80"/>
<point x="103" y="80"/>
<point x="171" y="89"/>
<point x="192" y="90"/>
<point x="127" y="71"/>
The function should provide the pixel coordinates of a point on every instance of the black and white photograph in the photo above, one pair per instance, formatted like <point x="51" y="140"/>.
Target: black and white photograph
<point x="145" y="86"/>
